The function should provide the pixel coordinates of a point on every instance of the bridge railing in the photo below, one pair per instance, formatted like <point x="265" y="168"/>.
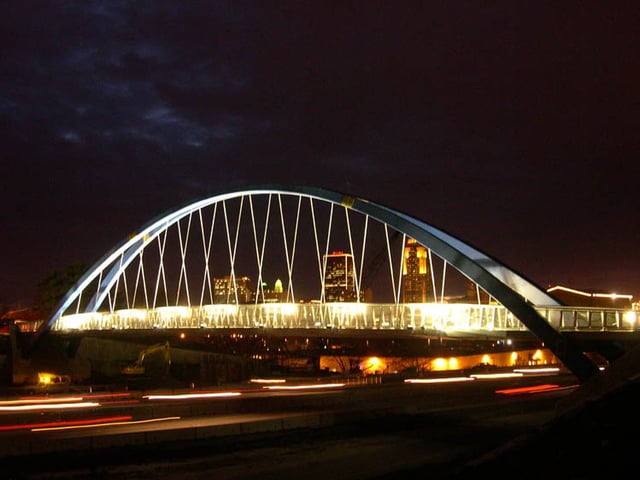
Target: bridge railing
<point x="359" y="316"/>
<point x="590" y="318"/>
<point x="447" y="318"/>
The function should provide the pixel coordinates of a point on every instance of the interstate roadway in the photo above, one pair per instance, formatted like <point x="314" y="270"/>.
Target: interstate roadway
<point x="360" y="431"/>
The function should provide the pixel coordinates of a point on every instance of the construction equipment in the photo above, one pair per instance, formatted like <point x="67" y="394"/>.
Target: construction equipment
<point x="138" y="367"/>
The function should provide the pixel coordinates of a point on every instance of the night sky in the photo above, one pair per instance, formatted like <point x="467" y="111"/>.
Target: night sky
<point x="512" y="125"/>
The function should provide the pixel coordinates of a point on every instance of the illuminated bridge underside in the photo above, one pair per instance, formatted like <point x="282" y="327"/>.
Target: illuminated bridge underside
<point x="287" y="233"/>
<point x="442" y="319"/>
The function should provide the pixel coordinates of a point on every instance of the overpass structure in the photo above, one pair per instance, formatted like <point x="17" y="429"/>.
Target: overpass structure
<point x="258" y="258"/>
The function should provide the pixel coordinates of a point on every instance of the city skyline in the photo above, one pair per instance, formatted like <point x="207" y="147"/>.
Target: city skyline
<point x="511" y="126"/>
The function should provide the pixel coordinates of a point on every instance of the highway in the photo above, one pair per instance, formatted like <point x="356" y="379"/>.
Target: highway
<point x="339" y="430"/>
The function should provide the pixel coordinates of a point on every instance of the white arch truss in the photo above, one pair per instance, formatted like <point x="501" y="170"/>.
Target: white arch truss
<point x="261" y="228"/>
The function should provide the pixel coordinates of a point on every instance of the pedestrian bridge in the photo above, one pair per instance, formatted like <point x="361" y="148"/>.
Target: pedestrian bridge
<point x="439" y="319"/>
<point x="304" y="257"/>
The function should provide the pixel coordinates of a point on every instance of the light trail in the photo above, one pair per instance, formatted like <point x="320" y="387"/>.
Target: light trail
<point x="190" y="396"/>
<point x="495" y="375"/>
<point x="31" y="426"/>
<point x="537" y="370"/>
<point x="304" y="387"/>
<point x="268" y="380"/>
<point x="54" y="406"/>
<point x="535" y="389"/>
<point x="107" y="395"/>
<point x="438" y="380"/>
<point x="40" y="400"/>
<point x="108" y="424"/>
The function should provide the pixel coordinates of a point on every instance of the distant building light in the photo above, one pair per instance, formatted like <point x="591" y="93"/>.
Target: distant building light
<point x="589" y="294"/>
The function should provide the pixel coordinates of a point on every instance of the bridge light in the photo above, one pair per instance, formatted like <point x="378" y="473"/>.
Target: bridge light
<point x="514" y="358"/>
<point x="76" y="321"/>
<point x="372" y="365"/>
<point x="220" y="310"/>
<point x="131" y="313"/>
<point x="630" y="317"/>
<point x="439" y="364"/>
<point x="536" y="358"/>
<point x="171" y="312"/>
<point x="280" y="308"/>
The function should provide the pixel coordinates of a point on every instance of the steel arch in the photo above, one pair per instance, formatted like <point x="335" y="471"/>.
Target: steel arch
<point x="513" y="291"/>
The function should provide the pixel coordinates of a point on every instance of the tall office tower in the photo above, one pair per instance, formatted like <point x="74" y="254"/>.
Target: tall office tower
<point x="339" y="278"/>
<point x="223" y="290"/>
<point x="416" y="281"/>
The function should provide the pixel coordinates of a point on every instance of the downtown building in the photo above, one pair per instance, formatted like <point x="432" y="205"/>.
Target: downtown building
<point x="417" y="287"/>
<point x="416" y="276"/>
<point x="233" y="290"/>
<point x="339" y="278"/>
<point x="241" y="290"/>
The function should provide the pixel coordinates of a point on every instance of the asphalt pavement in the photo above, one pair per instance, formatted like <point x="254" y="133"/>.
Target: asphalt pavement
<point x="358" y="433"/>
<point x="579" y="434"/>
<point x="592" y="436"/>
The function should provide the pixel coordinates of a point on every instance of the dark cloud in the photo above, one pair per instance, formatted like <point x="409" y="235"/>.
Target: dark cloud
<point x="510" y="124"/>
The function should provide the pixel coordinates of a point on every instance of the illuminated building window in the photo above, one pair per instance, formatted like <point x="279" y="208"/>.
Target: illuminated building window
<point x="228" y="290"/>
<point x="416" y="282"/>
<point x="339" y="278"/>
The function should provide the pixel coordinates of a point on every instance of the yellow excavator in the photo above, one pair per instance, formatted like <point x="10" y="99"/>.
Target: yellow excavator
<point x="138" y="367"/>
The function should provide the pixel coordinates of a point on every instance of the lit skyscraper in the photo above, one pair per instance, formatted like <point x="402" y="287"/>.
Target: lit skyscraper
<point x="339" y="278"/>
<point x="416" y="281"/>
<point x="226" y="288"/>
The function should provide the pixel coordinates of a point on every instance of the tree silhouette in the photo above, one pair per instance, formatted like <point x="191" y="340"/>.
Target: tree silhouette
<point x="55" y="285"/>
